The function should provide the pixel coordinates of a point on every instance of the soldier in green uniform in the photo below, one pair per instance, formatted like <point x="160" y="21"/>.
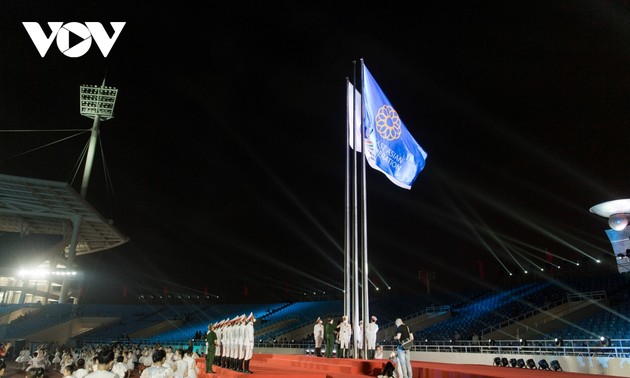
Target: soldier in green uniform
<point x="329" y="337"/>
<point x="211" y="342"/>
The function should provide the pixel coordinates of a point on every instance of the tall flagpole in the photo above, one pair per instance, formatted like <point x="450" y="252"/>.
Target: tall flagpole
<point x="347" y="220"/>
<point x="355" y="238"/>
<point x="364" y="233"/>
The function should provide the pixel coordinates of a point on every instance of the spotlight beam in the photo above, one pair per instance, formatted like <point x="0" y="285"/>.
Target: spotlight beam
<point x="478" y="235"/>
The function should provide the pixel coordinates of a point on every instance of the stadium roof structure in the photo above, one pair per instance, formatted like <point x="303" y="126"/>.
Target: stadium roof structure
<point x="35" y="206"/>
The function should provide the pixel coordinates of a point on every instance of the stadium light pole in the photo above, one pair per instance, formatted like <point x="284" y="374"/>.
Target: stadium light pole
<point x="96" y="103"/>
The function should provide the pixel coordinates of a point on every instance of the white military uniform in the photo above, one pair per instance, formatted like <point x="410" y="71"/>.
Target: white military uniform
<point x="318" y="335"/>
<point x="358" y="335"/>
<point x="345" y="333"/>
<point x="370" y="337"/>
<point x="248" y="342"/>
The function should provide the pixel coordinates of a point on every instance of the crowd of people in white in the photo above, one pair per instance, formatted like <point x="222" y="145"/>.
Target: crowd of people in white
<point x="117" y="360"/>
<point x="232" y="349"/>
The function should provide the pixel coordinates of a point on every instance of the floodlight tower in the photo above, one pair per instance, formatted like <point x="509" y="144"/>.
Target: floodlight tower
<point x="96" y="103"/>
<point x="618" y="213"/>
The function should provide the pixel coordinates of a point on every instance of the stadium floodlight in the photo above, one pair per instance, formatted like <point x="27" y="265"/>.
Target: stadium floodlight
<point x="96" y="103"/>
<point x="555" y="365"/>
<point x="617" y="212"/>
<point x="618" y="221"/>
<point x="531" y="364"/>
<point x="543" y="365"/>
<point x="513" y="362"/>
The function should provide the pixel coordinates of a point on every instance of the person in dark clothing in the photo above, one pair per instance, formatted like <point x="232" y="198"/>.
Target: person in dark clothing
<point x="329" y="337"/>
<point x="391" y="368"/>
<point x="404" y="359"/>
<point x="211" y="340"/>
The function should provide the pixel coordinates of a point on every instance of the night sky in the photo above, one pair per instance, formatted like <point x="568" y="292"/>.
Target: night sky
<point x="225" y="161"/>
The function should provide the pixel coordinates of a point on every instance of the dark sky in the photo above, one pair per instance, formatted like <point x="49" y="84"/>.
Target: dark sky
<point x="225" y="162"/>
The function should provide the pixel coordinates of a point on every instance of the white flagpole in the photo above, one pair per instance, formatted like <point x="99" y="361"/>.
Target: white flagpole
<point x="355" y="237"/>
<point x="364" y="233"/>
<point x="347" y="220"/>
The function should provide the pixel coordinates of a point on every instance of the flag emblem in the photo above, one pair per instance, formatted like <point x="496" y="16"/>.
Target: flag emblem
<point x="388" y="123"/>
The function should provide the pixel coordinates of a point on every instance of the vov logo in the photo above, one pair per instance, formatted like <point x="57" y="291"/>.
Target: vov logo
<point x="61" y="32"/>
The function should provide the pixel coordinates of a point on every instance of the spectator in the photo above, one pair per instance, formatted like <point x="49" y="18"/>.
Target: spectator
<point x="67" y="370"/>
<point x="6" y="351"/>
<point x="193" y="369"/>
<point x="181" y="367"/>
<point x="56" y="361"/>
<point x="35" y="362"/>
<point x="145" y="361"/>
<point x="67" y="359"/>
<point x="80" y="370"/>
<point x="159" y="369"/>
<point x="24" y="358"/>
<point x="3" y="350"/>
<point x="120" y="367"/>
<point x="35" y="373"/>
<point x="105" y="361"/>
<point x="378" y="354"/>
<point x="392" y="368"/>
<point x="131" y="361"/>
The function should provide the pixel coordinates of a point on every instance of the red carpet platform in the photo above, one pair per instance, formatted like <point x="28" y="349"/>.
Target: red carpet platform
<point x="302" y="366"/>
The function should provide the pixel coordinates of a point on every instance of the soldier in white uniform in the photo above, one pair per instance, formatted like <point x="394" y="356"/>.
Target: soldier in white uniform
<point x="224" y="343"/>
<point x="370" y="337"/>
<point x="248" y="342"/>
<point x="345" y="333"/>
<point x="240" y="336"/>
<point x="358" y="334"/>
<point x="218" y="329"/>
<point x="318" y="335"/>
<point x="231" y="340"/>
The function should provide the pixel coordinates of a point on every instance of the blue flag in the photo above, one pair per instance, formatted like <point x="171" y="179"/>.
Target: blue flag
<point x="389" y="146"/>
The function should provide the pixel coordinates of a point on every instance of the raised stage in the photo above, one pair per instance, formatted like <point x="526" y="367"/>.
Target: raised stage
<point x="303" y="366"/>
